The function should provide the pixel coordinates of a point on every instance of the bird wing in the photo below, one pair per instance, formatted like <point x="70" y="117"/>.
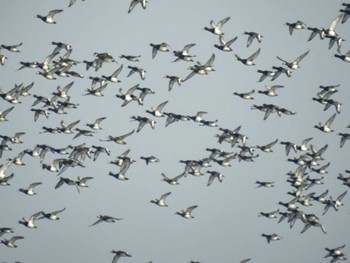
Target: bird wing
<point x="254" y="55"/>
<point x="298" y="59"/>
<point x="330" y="120"/>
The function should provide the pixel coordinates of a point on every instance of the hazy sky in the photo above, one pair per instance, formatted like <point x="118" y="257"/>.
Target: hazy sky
<point x="226" y="227"/>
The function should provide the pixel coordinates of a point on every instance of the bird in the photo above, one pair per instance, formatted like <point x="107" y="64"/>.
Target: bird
<point x="343" y="138"/>
<point x="269" y="215"/>
<point x="141" y="71"/>
<point x="106" y="218"/>
<point x="162" y="47"/>
<point x="250" y="60"/>
<point x="30" y="190"/>
<point x="4" y="113"/>
<point x="201" y="69"/>
<point x="187" y="213"/>
<point x="157" y="112"/>
<point x="326" y="127"/>
<point x="161" y="201"/>
<point x="267" y="147"/>
<point x="11" y="242"/>
<point x="12" y="48"/>
<point x="330" y="31"/>
<point x="119" y="254"/>
<point x="272" y="237"/>
<point x="216" y="28"/>
<point x="119" y="139"/>
<point x="128" y="96"/>
<point x="51" y="215"/>
<point x="270" y="90"/>
<point x="265" y="184"/>
<point x="172" y="181"/>
<point x="296" y="25"/>
<point x="213" y="175"/>
<point x="132" y="6"/>
<point x="149" y="159"/>
<point x="49" y="17"/>
<point x="30" y="223"/>
<point x="184" y="53"/>
<point x="172" y="81"/>
<point x="114" y="76"/>
<point x="343" y="56"/>
<point x="252" y="36"/>
<point x="245" y="95"/>
<point x="96" y="124"/>
<point x="225" y="46"/>
<point x="5" y="230"/>
<point x="142" y="122"/>
<point x="72" y="2"/>
<point x="295" y="63"/>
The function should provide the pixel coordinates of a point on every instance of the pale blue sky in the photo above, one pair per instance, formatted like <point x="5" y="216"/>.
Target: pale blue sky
<point x="226" y="227"/>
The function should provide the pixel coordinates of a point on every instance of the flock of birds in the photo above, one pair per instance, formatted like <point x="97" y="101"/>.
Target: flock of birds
<point x="310" y="165"/>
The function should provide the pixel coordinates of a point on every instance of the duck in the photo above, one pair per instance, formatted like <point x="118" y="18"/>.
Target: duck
<point x="161" y="201"/>
<point x="343" y="56"/>
<point x="49" y="17"/>
<point x="272" y="237"/>
<point x="4" y="113"/>
<point x="4" y="181"/>
<point x="223" y="45"/>
<point x="51" y="215"/>
<point x="142" y="122"/>
<point x="96" y="125"/>
<point x="129" y="96"/>
<point x="172" y="81"/>
<point x="80" y="132"/>
<point x="343" y="138"/>
<point x="172" y="181"/>
<point x="245" y="95"/>
<point x="213" y="175"/>
<point x="270" y="90"/>
<point x="150" y="159"/>
<point x="184" y="53"/>
<point x="133" y="3"/>
<point x="11" y="242"/>
<point x="314" y="31"/>
<point x="114" y="76"/>
<point x="71" y="2"/>
<point x="252" y="36"/>
<point x="216" y="28"/>
<point x="106" y="218"/>
<point x="81" y="182"/>
<point x="269" y="215"/>
<point x="12" y="48"/>
<point x="119" y="253"/>
<point x="131" y="58"/>
<point x="267" y="147"/>
<point x="30" y="223"/>
<point x="295" y="63"/>
<point x="139" y="70"/>
<point x="162" y="47"/>
<point x="2" y="58"/>
<point x="30" y="189"/>
<point x="5" y="230"/>
<point x="279" y="70"/>
<point x="296" y="25"/>
<point x="188" y="212"/>
<point x="330" y="31"/>
<point x="326" y="127"/>
<point x="157" y="112"/>
<point x="265" y="184"/>
<point x="250" y="60"/>
<point x="201" y="69"/>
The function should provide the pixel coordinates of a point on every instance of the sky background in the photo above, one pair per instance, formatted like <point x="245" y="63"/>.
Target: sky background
<point x="226" y="227"/>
